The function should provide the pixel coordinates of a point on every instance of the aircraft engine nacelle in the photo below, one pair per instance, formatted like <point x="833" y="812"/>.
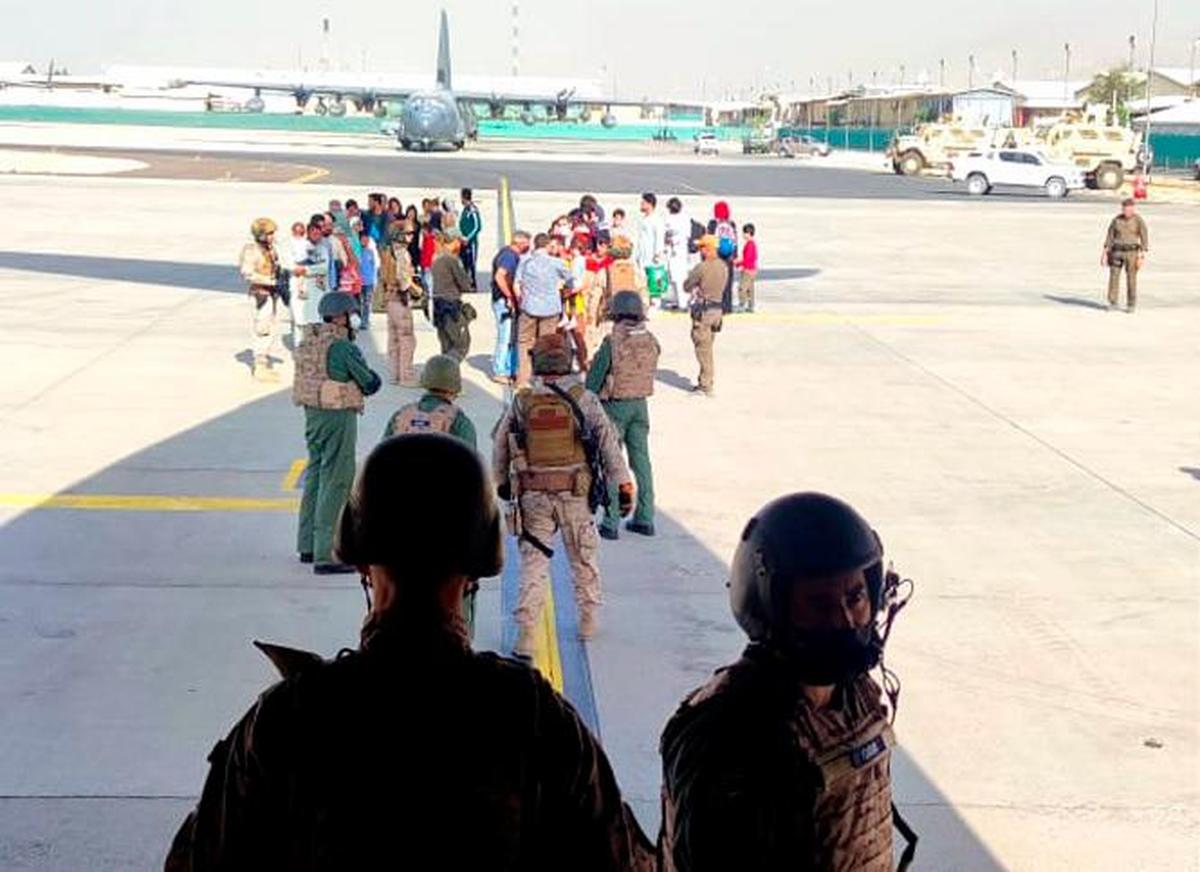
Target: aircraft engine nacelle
<point x="302" y="98"/>
<point x="495" y="110"/>
<point x="585" y="114"/>
<point x="609" y="120"/>
<point x="337" y="108"/>
<point x="321" y="108"/>
<point x="380" y="109"/>
<point x="527" y="117"/>
<point x="254" y="104"/>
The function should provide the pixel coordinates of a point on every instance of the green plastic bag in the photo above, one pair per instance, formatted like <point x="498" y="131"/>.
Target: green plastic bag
<point x="656" y="280"/>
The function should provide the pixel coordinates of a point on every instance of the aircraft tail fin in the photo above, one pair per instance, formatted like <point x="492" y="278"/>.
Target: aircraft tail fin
<point x="443" y="57"/>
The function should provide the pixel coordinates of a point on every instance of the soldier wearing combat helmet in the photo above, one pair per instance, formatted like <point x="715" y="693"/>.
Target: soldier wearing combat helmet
<point x="622" y="375"/>
<point x="782" y="761"/>
<point x="259" y="266"/>
<point x="554" y="457"/>
<point x="377" y="759"/>
<point x="332" y="378"/>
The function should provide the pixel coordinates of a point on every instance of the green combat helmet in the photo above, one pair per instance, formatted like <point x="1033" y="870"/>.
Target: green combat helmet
<point x="337" y="303"/>
<point x="443" y="375"/>
<point x="628" y="304"/>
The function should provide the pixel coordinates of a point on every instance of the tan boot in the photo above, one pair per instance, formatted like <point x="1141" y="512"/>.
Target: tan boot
<point x="524" y="645"/>
<point x="587" y="624"/>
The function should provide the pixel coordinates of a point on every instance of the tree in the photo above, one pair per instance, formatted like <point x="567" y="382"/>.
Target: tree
<point x="1114" y="88"/>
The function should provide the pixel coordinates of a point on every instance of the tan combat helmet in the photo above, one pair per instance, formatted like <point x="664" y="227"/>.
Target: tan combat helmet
<point x="261" y="228"/>
<point x="551" y="356"/>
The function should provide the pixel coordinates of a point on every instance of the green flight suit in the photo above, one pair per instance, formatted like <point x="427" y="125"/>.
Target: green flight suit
<point x="631" y="418"/>
<point x="463" y="429"/>
<point x="331" y="435"/>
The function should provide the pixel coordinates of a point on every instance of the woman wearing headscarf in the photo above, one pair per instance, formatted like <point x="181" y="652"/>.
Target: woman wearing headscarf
<point x="722" y="227"/>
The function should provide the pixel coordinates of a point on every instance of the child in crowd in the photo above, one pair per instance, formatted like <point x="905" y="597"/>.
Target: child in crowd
<point x="749" y="266"/>
<point x="368" y="269"/>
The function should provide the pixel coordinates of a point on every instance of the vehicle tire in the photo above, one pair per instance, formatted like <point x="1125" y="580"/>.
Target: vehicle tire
<point x="1109" y="177"/>
<point x="458" y="146"/>
<point x="977" y="184"/>
<point x="911" y="163"/>
<point x="406" y="144"/>
<point x="1056" y="188"/>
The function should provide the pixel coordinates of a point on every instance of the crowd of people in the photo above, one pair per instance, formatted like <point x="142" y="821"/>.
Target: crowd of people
<point x="375" y="759"/>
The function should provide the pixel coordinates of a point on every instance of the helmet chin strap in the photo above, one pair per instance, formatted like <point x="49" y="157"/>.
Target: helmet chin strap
<point x="897" y="592"/>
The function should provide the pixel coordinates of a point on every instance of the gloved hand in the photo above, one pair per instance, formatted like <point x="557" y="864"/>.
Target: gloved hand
<point x="625" y="499"/>
<point x="504" y="491"/>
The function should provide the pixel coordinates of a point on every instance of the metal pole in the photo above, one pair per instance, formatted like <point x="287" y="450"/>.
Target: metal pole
<point x="1132" y="46"/>
<point x="902" y="74"/>
<point x="941" y="74"/>
<point x="516" y="41"/>
<point x="1192" y="69"/>
<point x="970" y="72"/>
<point x="1014" y="66"/>
<point x="1150" y="75"/>
<point x="1067" y="76"/>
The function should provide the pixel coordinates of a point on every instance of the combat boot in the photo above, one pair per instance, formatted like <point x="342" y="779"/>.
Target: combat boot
<point x="587" y="624"/>
<point x="263" y="371"/>
<point x="523" y="649"/>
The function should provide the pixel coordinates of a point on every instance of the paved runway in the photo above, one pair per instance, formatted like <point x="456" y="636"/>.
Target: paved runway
<point x="770" y="178"/>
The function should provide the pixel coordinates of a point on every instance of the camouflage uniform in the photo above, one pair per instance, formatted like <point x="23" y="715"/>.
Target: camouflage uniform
<point x="396" y="279"/>
<point x="707" y="282"/>
<point x="555" y="497"/>
<point x="755" y="778"/>
<point x="258" y="264"/>
<point x="1125" y="245"/>
<point x="330" y="770"/>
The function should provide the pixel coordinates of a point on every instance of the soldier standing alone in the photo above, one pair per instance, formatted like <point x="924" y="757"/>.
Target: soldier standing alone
<point x="622" y="375"/>
<point x="331" y="380"/>
<point x="1126" y="245"/>
<point x="706" y="285"/>
<point x="541" y="459"/>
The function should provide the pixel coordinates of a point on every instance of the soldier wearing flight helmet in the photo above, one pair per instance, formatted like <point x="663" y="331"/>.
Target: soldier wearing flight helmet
<point x="783" y="760"/>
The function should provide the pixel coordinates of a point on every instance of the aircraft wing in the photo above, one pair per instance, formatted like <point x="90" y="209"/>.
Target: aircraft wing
<point x="358" y="88"/>
<point x="567" y="97"/>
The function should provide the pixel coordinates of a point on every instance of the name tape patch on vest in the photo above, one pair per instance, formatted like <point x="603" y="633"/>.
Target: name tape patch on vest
<point x="864" y="754"/>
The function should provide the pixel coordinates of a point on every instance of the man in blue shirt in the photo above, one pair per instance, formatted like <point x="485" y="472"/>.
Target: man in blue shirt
<point x="368" y="268"/>
<point x="469" y="225"/>
<point x="541" y="278"/>
<point x="504" y="305"/>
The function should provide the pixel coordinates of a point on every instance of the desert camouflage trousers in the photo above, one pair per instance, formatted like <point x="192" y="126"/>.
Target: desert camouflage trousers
<point x="543" y="514"/>
<point x="402" y="343"/>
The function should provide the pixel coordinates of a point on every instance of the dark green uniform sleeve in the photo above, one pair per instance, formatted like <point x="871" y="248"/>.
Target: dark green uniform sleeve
<point x="600" y="365"/>
<point x="346" y="363"/>
<point x="463" y="429"/>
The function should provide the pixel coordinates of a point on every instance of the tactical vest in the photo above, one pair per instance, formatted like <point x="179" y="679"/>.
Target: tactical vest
<point x="852" y="815"/>
<point x="552" y="437"/>
<point x="313" y="387"/>
<point x="634" y="360"/>
<point x="622" y="276"/>
<point x="411" y="419"/>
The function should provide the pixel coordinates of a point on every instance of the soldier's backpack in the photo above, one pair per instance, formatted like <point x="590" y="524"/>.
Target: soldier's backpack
<point x="552" y="437"/>
<point x="411" y="419"/>
<point x="622" y="276"/>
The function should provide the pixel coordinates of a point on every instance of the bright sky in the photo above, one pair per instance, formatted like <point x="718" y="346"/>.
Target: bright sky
<point x="668" y="48"/>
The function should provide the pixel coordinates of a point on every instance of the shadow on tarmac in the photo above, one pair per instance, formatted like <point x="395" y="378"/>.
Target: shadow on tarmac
<point x="776" y="274"/>
<point x="1193" y="471"/>
<point x="673" y="379"/>
<point x="174" y="274"/>
<point x="1082" y="302"/>
<point x="126" y="640"/>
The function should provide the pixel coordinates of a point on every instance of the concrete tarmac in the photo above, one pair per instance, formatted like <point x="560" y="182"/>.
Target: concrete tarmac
<point x="1030" y="459"/>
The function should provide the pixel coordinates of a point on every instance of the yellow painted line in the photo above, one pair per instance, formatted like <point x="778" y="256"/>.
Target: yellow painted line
<point x="506" y="217"/>
<point x="546" y="655"/>
<point x="824" y="318"/>
<point x="311" y="176"/>
<point x="147" y="503"/>
<point x="293" y="474"/>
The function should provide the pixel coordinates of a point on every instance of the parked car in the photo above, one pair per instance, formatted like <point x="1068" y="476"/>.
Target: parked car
<point x="1017" y="168"/>
<point x="803" y="145"/>
<point x="706" y="143"/>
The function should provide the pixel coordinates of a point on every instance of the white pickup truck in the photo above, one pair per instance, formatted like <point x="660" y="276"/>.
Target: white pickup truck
<point x="1015" y="167"/>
